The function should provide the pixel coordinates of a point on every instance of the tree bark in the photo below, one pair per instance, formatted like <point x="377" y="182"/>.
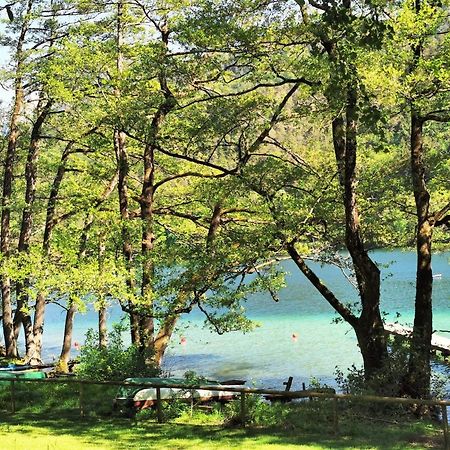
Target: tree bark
<point x="146" y="323"/>
<point x="369" y="327"/>
<point x="370" y="330"/>
<point x="418" y="384"/>
<point x="419" y="368"/>
<point x="38" y="329"/>
<point x="102" y="326"/>
<point x="39" y="307"/>
<point x="5" y="233"/>
<point x="22" y="317"/>
<point x="163" y="337"/>
<point x="123" y="168"/>
<point x="67" y="340"/>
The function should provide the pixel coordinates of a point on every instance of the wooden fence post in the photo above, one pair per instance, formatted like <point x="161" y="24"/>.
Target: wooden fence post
<point x="335" y="416"/>
<point x="445" y="425"/>
<point x="13" y="397"/>
<point x="81" y="400"/>
<point x="243" y="409"/>
<point x="159" y="413"/>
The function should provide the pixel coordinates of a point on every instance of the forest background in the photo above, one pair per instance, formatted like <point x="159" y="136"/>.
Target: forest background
<point x="166" y="155"/>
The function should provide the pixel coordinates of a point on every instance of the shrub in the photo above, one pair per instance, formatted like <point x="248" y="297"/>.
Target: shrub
<point x="387" y="381"/>
<point x="113" y="362"/>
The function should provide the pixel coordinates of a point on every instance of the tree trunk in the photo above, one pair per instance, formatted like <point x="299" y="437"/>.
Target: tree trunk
<point x="67" y="340"/>
<point x="127" y="249"/>
<point x="35" y="353"/>
<point x="370" y="330"/>
<point x="68" y="327"/>
<point x="123" y="167"/>
<point x="23" y="317"/>
<point x="418" y="384"/>
<point x="419" y="369"/>
<point x="163" y="337"/>
<point x="146" y="325"/>
<point x="8" y="325"/>
<point x="146" y="322"/>
<point x="52" y="199"/>
<point x="102" y="327"/>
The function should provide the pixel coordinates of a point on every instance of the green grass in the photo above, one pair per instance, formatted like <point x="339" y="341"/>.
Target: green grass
<point x="25" y="431"/>
<point x="47" y="418"/>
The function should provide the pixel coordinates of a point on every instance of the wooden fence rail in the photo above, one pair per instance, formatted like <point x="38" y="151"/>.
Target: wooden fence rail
<point x="244" y="391"/>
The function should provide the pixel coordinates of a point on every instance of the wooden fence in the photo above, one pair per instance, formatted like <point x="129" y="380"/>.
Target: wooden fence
<point x="243" y="391"/>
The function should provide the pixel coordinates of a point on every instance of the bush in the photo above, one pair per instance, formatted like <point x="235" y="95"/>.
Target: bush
<point x="113" y="362"/>
<point x="388" y="381"/>
<point x="257" y="412"/>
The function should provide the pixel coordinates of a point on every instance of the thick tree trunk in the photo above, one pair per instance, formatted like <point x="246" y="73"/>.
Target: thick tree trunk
<point x="370" y="331"/>
<point x="163" y="337"/>
<point x="369" y="328"/>
<point x="418" y="384"/>
<point x="23" y="317"/>
<point x="67" y="340"/>
<point x="419" y="368"/>
<point x="8" y="325"/>
<point x="35" y="353"/>
<point x="146" y="323"/>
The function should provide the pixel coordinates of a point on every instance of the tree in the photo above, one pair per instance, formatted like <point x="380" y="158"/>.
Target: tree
<point x="329" y="42"/>
<point x="21" y="24"/>
<point x="428" y="101"/>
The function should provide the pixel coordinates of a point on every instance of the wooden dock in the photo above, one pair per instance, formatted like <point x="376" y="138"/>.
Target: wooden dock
<point x="438" y="343"/>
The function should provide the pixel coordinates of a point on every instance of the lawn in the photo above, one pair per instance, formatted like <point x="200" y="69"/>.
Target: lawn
<point x="48" y="418"/>
<point x="33" y="432"/>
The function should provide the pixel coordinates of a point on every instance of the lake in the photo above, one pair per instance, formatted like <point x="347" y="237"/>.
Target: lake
<point x="268" y="355"/>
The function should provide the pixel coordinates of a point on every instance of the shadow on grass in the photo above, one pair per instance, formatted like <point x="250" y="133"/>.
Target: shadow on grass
<point x="121" y="433"/>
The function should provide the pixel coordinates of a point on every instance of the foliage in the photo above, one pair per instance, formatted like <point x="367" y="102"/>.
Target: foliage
<point x="222" y="107"/>
<point x="259" y="412"/>
<point x="388" y="381"/>
<point x="113" y="362"/>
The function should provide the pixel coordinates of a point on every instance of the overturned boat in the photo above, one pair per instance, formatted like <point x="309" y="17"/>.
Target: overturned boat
<point x="131" y="399"/>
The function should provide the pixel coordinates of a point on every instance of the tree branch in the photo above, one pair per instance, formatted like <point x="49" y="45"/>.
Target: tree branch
<point x="338" y="306"/>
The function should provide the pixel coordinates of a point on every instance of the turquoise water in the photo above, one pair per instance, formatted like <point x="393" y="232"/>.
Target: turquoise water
<point x="269" y="355"/>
